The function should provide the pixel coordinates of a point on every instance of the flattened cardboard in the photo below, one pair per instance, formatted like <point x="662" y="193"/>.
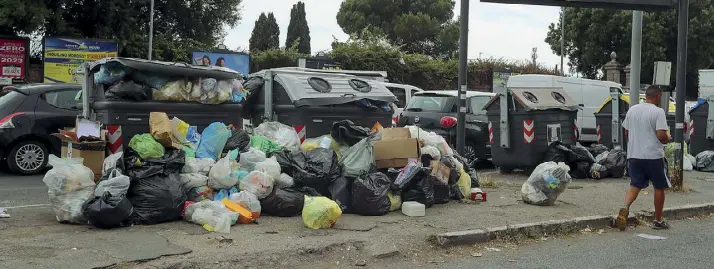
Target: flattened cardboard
<point x="395" y="149"/>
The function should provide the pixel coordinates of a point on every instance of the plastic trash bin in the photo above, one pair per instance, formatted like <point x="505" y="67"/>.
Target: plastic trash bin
<point x="605" y="121"/>
<point x="701" y="128"/>
<point x="521" y="129"/>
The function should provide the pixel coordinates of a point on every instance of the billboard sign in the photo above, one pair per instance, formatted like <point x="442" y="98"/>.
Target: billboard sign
<point x="62" y="56"/>
<point x="500" y="80"/>
<point x="234" y="60"/>
<point x="645" y="5"/>
<point x="14" y="59"/>
<point x="319" y="63"/>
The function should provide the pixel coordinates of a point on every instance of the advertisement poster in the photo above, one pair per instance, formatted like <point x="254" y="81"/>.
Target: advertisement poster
<point x="237" y="61"/>
<point x="64" y="55"/>
<point x="500" y="79"/>
<point x="14" y="59"/>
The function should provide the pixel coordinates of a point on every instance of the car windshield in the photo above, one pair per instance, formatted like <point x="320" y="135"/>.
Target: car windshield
<point x="429" y="103"/>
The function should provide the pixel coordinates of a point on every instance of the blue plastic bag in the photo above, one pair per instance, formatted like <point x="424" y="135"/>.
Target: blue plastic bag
<point x="110" y="73"/>
<point x="213" y="140"/>
<point x="222" y="194"/>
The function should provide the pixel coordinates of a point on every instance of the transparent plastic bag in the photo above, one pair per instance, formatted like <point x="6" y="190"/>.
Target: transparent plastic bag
<point x="117" y="185"/>
<point x="69" y="186"/>
<point x="247" y="200"/>
<point x="258" y="183"/>
<point x="193" y="180"/>
<point x="358" y="159"/>
<point x="431" y="139"/>
<point x="264" y="144"/>
<point x="320" y="212"/>
<point x="431" y="151"/>
<point x="113" y="162"/>
<point x="325" y="141"/>
<point x="406" y="175"/>
<point x="224" y="175"/>
<point x="282" y="134"/>
<point x="546" y="183"/>
<point x="201" y="166"/>
<point x="220" y="94"/>
<point x="212" y="215"/>
<point x="284" y="181"/>
<point x="249" y="159"/>
<point x="213" y="140"/>
<point x="270" y="166"/>
<point x="705" y="161"/>
<point x="177" y="90"/>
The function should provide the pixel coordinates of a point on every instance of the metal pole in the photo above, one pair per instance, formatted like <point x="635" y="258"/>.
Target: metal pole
<point x="681" y="88"/>
<point x="463" y="56"/>
<point x="562" y="40"/>
<point x="636" y="57"/>
<point x="151" y="29"/>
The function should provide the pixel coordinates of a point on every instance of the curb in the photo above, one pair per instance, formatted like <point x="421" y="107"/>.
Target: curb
<point x="536" y="229"/>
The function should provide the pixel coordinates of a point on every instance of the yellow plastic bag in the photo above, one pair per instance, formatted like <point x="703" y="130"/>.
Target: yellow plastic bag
<point x="464" y="183"/>
<point x="324" y="141"/>
<point x="395" y="200"/>
<point x="320" y="212"/>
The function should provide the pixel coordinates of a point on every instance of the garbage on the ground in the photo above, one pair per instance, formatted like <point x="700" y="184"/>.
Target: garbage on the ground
<point x="249" y="159"/>
<point x="146" y="146"/>
<point x="284" y="181"/>
<point x="669" y="155"/>
<point x="258" y="183"/>
<point x="283" y="203"/>
<point x="213" y="140"/>
<point x="651" y="237"/>
<point x="89" y="148"/>
<point x="264" y="144"/>
<point x="109" y="210"/>
<point x="249" y="201"/>
<point x="269" y="166"/>
<point x="369" y="194"/>
<point x="478" y="195"/>
<point x="70" y="185"/>
<point x="395" y="200"/>
<point x="112" y="163"/>
<point x="162" y="130"/>
<point x="285" y="136"/>
<point x="239" y="139"/>
<point x="157" y="198"/>
<point x="211" y="215"/>
<point x="3" y="214"/>
<point x="224" y="174"/>
<point x="358" y="159"/>
<point x="615" y="162"/>
<point x="320" y="212"/>
<point x="688" y="163"/>
<point x="431" y="139"/>
<point x="340" y="191"/>
<point x="546" y="183"/>
<point x="705" y="161"/>
<point x="413" y="209"/>
<point x="325" y="141"/>
<point x="245" y="216"/>
<point x="347" y="133"/>
<point x="597" y="149"/>
<point x="195" y="165"/>
<point x="395" y="148"/>
<point x="420" y="189"/>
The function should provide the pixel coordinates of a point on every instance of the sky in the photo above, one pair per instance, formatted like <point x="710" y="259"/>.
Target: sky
<point x="495" y="30"/>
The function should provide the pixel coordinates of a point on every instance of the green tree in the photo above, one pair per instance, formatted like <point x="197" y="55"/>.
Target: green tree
<point x="591" y="34"/>
<point x="298" y="30"/>
<point x="266" y="33"/>
<point x="418" y="26"/>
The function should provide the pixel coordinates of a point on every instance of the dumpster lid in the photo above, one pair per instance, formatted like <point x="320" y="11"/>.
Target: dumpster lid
<point x="700" y="102"/>
<point x="318" y="89"/>
<point x="540" y="99"/>
<point x="626" y="99"/>
<point x="172" y="69"/>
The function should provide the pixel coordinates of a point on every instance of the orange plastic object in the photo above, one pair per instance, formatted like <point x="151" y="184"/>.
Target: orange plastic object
<point x="244" y="215"/>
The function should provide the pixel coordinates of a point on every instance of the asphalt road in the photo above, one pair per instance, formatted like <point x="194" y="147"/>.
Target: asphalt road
<point x="688" y="245"/>
<point x="21" y="191"/>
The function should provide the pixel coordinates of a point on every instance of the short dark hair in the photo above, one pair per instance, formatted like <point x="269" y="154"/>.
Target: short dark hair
<point x="652" y="91"/>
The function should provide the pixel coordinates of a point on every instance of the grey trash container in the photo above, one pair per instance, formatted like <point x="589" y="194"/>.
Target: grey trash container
<point x="701" y="131"/>
<point x="524" y="121"/>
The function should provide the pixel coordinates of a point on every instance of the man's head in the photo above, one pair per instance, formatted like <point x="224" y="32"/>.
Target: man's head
<point x="653" y="94"/>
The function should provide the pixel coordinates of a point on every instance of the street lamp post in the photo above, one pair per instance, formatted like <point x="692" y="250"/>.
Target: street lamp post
<point x="151" y="28"/>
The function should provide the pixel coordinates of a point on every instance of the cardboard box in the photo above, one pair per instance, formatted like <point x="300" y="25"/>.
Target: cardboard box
<point x="395" y="149"/>
<point x="92" y="152"/>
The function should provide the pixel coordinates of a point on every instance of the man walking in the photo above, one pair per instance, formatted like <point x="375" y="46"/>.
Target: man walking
<point x="646" y="130"/>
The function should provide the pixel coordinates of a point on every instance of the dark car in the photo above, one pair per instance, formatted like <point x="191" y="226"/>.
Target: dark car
<point x="436" y="111"/>
<point x="29" y="114"/>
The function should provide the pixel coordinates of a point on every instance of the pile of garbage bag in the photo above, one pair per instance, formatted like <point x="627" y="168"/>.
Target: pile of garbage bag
<point x="222" y="177"/>
<point x="546" y="183"/>
<point x="584" y="163"/>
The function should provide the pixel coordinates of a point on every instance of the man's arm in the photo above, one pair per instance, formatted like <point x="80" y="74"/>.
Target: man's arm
<point x="662" y="127"/>
<point x="626" y="126"/>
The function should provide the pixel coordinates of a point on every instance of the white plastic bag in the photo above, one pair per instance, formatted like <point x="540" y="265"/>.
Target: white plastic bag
<point x="247" y="200"/>
<point x="117" y="185"/>
<point x="193" y="180"/>
<point x="224" y="175"/>
<point x="218" y="95"/>
<point x="258" y="183"/>
<point x="249" y="159"/>
<point x="70" y="185"/>
<point x="112" y="162"/>
<point x="431" y="151"/>
<point x="282" y="134"/>
<point x="195" y="165"/>
<point x="358" y="159"/>
<point x="546" y="183"/>
<point x="284" y="181"/>
<point x="705" y="161"/>
<point x="688" y="164"/>
<point x="431" y="139"/>
<point x="270" y="166"/>
<point x="212" y="215"/>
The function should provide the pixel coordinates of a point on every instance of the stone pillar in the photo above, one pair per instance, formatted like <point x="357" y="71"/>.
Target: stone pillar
<point x="626" y="85"/>
<point x="613" y="69"/>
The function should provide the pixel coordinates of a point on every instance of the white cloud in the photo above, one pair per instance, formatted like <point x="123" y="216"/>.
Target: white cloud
<point x="495" y="30"/>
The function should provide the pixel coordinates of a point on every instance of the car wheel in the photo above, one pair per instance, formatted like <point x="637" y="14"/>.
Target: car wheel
<point x="470" y="154"/>
<point x="28" y="157"/>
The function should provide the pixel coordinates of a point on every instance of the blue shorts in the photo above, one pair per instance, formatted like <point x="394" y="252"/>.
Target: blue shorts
<point x="644" y="171"/>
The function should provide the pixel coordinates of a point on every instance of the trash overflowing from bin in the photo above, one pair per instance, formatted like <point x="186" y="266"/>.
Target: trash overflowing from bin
<point x="222" y="177"/>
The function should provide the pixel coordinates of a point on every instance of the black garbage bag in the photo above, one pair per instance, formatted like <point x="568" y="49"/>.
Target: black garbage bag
<point x="108" y="211"/>
<point x="474" y="179"/>
<point x="598" y="171"/>
<point x="616" y="163"/>
<point x="157" y="199"/>
<point x="137" y="168"/>
<point x="128" y="90"/>
<point x="317" y="168"/>
<point x="406" y="175"/>
<point x="347" y="133"/>
<point x="340" y="193"/>
<point x="283" y="203"/>
<point x="581" y="154"/>
<point x="455" y="192"/>
<point x="580" y="170"/>
<point x="420" y="190"/>
<point x="557" y="152"/>
<point x="369" y="194"/>
<point x="597" y="149"/>
<point x="240" y="139"/>
<point x="307" y="191"/>
<point x="285" y="159"/>
<point x="254" y="86"/>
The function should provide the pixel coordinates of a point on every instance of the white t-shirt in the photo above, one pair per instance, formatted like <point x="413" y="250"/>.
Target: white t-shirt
<point x="642" y="122"/>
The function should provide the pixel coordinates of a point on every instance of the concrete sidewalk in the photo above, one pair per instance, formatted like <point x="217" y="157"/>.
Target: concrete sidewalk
<point x="33" y="239"/>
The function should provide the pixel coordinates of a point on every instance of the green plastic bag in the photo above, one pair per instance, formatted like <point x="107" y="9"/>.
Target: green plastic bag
<point x="358" y="159"/>
<point x="146" y="146"/>
<point x="264" y="144"/>
<point x="189" y="152"/>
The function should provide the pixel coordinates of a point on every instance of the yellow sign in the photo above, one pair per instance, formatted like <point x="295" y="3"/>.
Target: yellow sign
<point x="62" y="57"/>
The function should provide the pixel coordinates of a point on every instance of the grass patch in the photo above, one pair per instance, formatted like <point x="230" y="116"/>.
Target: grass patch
<point x="487" y="181"/>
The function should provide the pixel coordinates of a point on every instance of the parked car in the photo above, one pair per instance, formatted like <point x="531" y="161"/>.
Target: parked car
<point x="436" y="111"/>
<point x="29" y="114"/>
<point x="403" y="93"/>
